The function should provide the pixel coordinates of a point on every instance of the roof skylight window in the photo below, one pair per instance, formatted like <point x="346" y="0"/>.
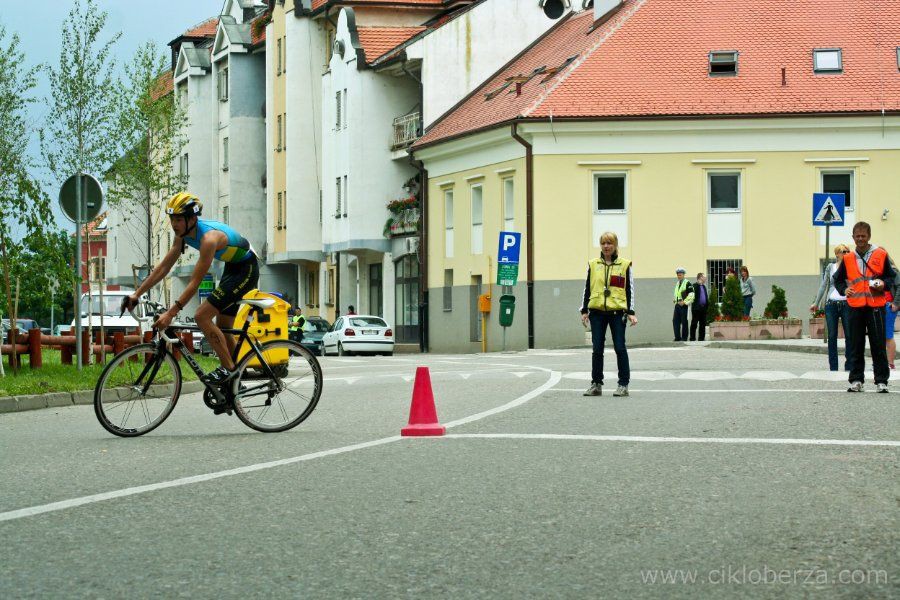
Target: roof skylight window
<point x="827" y="60"/>
<point x="723" y="62"/>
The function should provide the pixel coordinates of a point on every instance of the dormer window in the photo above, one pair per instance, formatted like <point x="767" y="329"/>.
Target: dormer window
<point x="723" y="62"/>
<point x="827" y="60"/>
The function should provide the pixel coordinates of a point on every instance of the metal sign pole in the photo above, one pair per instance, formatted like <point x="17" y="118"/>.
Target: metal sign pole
<point x="827" y="245"/>
<point x="78" y="349"/>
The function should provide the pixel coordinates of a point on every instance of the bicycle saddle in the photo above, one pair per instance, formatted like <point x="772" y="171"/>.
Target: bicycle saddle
<point x="263" y="303"/>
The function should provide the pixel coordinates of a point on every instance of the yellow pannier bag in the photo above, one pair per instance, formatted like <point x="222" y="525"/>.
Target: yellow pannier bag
<point x="271" y="324"/>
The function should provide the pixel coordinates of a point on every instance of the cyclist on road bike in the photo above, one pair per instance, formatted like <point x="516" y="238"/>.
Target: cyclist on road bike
<point x="214" y="241"/>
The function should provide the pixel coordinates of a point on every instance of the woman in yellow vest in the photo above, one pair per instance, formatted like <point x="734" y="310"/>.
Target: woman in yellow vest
<point x="608" y="302"/>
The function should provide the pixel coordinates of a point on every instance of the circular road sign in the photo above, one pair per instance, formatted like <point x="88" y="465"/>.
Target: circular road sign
<point x="91" y="197"/>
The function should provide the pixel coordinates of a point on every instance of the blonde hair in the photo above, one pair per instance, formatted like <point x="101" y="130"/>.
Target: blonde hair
<point x="609" y="236"/>
<point x="841" y="248"/>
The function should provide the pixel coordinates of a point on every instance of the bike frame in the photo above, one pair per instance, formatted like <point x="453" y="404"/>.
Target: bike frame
<point x="170" y="336"/>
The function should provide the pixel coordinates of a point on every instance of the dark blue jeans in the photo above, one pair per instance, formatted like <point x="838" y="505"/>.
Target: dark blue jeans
<point x="748" y="304"/>
<point x="600" y="320"/>
<point x="835" y="311"/>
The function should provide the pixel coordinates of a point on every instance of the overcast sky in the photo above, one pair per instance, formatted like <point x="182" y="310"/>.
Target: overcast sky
<point x="39" y="25"/>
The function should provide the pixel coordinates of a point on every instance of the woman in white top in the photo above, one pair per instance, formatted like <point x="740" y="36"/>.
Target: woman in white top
<point x="835" y="307"/>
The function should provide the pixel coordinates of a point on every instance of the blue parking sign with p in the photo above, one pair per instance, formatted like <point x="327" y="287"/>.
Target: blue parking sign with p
<point x="510" y="242"/>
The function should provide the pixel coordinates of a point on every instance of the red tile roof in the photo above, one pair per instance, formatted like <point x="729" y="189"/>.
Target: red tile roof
<point x="205" y="29"/>
<point x="316" y="4"/>
<point x="651" y="60"/>
<point x="376" y="41"/>
<point x="258" y="32"/>
<point x="163" y="86"/>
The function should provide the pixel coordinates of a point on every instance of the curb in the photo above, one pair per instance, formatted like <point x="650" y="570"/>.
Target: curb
<point x="10" y="404"/>
<point x="778" y="348"/>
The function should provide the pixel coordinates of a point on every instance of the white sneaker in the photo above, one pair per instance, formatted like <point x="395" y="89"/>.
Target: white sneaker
<point x="622" y="390"/>
<point x="881" y="388"/>
<point x="855" y="386"/>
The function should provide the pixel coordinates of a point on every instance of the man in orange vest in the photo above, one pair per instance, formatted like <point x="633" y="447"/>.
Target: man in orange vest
<point x="863" y="277"/>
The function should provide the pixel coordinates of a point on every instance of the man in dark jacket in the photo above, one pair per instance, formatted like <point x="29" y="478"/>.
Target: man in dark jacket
<point x="699" y="308"/>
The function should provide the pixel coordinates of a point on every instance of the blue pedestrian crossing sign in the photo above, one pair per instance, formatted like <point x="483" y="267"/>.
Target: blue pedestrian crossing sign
<point x="508" y="251"/>
<point x="828" y="209"/>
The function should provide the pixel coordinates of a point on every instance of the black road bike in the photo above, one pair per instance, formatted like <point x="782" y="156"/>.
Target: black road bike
<point x="277" y="385"/>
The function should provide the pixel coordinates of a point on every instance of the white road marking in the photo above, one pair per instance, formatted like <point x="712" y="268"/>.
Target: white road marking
<point x="93" y="498"/>
<point x="465" y="375"/>
<point x="634" y="391"/>
<point x="706" y="375"/>
<point x="521" y="374"/>
<point x="768" y="375"/>
<point x="678" y="440"/>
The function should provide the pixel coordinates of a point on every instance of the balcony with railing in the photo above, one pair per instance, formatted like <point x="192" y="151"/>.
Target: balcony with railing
<point x="407" y="130"/>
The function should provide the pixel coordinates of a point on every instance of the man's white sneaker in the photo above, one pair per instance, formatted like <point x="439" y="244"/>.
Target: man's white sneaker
<point x="622" y="390"/>
<point x="856" y="386"/>
<point x="881" y="388"/>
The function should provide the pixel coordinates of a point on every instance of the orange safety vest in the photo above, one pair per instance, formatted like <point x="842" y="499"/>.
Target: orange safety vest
<point x="859" y="282"/>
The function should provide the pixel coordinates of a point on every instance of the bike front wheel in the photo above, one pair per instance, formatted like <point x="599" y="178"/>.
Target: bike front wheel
<point x="137" y="391"/>
<point x="271" y="405"/>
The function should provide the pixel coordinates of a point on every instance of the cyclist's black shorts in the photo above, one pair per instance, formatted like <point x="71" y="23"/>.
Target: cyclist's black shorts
<point x="237" y="280"/>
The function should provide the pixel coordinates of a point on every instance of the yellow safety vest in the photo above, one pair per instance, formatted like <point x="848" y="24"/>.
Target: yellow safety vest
<point x="608" y="284"/>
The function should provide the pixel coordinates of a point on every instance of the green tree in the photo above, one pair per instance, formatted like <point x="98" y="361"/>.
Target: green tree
<point x="151" y="127"/>
<point x="732" y="300"/>
<point x="81" y="131"/>
<point x="23" y="207"/>
<point x="777" y="306"/>
<point x="713" y="310"/>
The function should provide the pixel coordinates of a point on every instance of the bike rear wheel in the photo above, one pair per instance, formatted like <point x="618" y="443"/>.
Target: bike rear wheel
<point x="124" y="402"/>
<point x="272" y="405"/>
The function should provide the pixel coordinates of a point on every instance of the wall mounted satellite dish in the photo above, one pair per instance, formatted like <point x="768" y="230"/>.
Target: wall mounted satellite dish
<point x="554" y="9"/>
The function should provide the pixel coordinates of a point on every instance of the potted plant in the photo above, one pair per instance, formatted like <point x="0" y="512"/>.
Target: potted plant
<point x="731" y="324"/>
<point x="404" y="216"/>
<point x="817" y="324"/>
<point x="776" y="321"/>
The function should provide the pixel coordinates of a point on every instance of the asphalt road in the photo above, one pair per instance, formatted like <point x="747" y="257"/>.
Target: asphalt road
<point x="726" y="473"/>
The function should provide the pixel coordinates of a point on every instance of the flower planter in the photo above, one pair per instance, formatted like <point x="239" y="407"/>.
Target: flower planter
<point x="767" y="329"/>
<point x="817" y="328"/>
<point x="730" y="330"/>
<point x="793" y="329"/>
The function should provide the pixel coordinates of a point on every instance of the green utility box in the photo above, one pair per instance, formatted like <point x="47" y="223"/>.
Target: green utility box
<point x="507" y="309"/>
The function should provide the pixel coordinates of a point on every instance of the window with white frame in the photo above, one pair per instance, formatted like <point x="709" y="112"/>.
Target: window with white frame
<point x="278" y="133"/>
<point x="278" y="56"/>
<point x="723" y="63"/>
<point x="448" y="290"/>
<point x="320" y="207"/>
<point x="284" y="54"/>
<point x="337" y="109"/>
<point x="183" y="165"/>
<point x="225" y="154"/>
<point x="827" y="60"/>
<point x="278" y="211"/>
<point x="609" y="193"/>
<point x="337" y="197"/>
<point x="834" y="181"/>
<point x="346" y="190"/>
<point x="509" y="205"/>
<point x="477" y="218"/>
<point x="448" y="223"/>
<point x="345" y="112"/>
<point x="225" y="215"/>
<point x="223" y="84"/>
<point x="284" y="210"/>
<point x="284" y="131"/>
<point x="724" y="191"/>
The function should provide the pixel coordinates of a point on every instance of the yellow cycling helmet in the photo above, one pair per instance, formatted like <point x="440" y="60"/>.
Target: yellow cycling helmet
<point x="184" y="203"/>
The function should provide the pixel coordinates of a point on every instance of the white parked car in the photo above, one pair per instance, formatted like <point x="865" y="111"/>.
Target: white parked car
<point x="358" y="333"/>
<point x="92" y="310"/>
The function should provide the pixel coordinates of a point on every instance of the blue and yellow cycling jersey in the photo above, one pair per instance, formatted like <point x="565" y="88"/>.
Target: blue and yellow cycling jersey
<point x="238" y="248"/>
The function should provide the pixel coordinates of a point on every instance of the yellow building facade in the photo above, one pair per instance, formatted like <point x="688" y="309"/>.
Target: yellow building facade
<point x="667" y="178"/>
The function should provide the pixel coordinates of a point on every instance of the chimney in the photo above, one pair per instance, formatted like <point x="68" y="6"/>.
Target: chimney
<point x="601" y="7"/>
